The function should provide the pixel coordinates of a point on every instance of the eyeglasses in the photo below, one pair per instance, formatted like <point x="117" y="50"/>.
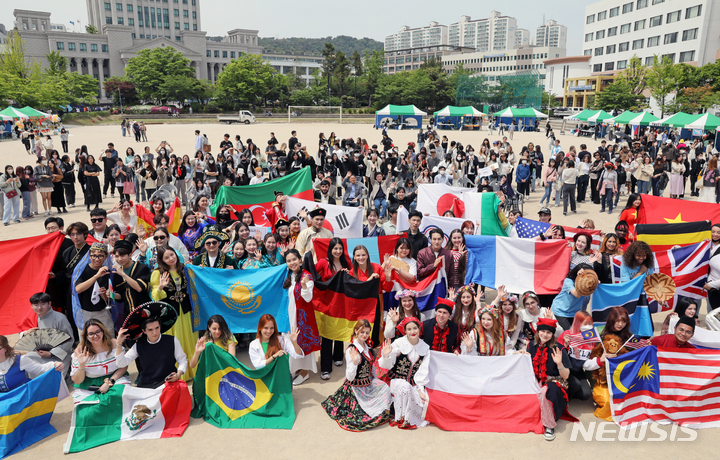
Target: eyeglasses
<point x="94" y="334"/>
<point x="97" y="256"/>
<point x="75" y="235"/>
<point x="97" y="221"/>
<point x="211" y="243"/>
<point x="159" y="238"/>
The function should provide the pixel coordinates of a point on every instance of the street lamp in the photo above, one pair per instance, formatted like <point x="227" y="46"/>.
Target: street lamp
<point x="120" y="99"/>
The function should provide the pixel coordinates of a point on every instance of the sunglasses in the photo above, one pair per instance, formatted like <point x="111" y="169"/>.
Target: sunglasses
<point x="159" y="238"/>
<point x="97" y="221"/>
<point x="211" y="243"/>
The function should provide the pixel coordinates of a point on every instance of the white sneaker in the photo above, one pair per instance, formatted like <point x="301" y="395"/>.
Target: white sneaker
<point x="300" y="379"/>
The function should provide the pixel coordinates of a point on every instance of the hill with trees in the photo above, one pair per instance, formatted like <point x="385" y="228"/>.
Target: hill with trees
<point x="343" y="43"/>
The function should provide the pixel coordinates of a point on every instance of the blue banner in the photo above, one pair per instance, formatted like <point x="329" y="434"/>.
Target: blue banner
<point x="631" y="296"/>
<point x="240" y="296"/>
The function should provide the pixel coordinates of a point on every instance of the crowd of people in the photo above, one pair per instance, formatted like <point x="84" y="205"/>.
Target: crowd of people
<point x="384" y="382"/>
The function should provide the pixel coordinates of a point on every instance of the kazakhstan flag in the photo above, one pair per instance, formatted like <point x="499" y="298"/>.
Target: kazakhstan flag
<point x="228" y="394"/>
<point x="25" y="413"/>
<point x="240" y="296"/>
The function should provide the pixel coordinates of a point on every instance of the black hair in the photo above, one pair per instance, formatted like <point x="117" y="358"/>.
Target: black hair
<point x="40" y="297"/>
<point x="415" y="214"/>
<point x="436" y="230"/>
<point x="152" y="319"/>
<point x="298" y="277"/>
<point x="683" y="305"/>
<point x="98" y="212"/>
<point x="574" y="272"/>
<point x="392" y="209"/>
<point x="343" y="260"/>
<point x="57" y="220"/>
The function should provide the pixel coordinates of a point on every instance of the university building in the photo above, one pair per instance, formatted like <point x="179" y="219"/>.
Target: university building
<point x="125" y="28"/>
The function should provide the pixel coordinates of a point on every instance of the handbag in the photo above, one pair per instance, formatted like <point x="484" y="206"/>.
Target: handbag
<point x="129" y="187"/>
<point x="11" y="194"/>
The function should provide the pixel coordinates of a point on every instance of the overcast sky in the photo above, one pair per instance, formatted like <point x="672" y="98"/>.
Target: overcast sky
<point x="320" y="18"/>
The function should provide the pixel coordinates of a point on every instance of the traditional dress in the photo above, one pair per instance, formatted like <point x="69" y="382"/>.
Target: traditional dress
<point x="438" y="339"/>
<point x="272" y="259"/>
<point x="362" y="402"/>
<point x="274" y="214"/>
<point x="191" y="235"/>
<point x="62" y="352"/>
<point x="408" y="371"/>
<point x="97" y="369"/>
<point x="130" y="297"/>
<point x="391" y="329"/>
<point x="529" y="324"/>
<point x="19" y="370"/>
<point x="547" y="374"/>
<point x="222" y="260"/>
<point x="483" y="345"/>
<point x="302" y="317"/>
<point x="176" y="294"/>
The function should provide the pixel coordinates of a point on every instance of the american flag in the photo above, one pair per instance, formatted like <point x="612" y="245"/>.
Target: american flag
<point x="528" y="228"/>
<point x="656" y="384"/>
<point x="687" y="266"/>
<point x="584" y="338"/>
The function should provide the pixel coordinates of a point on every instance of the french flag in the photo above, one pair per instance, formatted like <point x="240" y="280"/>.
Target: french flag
<point x="429" y="290"/>
<point x="518" y="264"/>
<point x="483" y="393"/>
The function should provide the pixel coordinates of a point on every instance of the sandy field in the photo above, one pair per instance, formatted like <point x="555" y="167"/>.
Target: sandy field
<point x="315" y="435"/>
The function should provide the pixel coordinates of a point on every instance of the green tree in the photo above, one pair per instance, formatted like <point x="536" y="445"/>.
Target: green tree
<point x="635" y="75"/>
<point x="12" y="60"/>
<point x="617" y="95"/>
<point x="178" y="88"/>
<point x="246" y="79"/>
<point x="80" y="88"/>
<point x="57" y="63"/>
<point x="697" y="99"/>
<point x="342" y="71"/>
<point x="661" y="81"/>
<point x="373" y="71"/>
<point x="91" y="29"/>
<point x="549" y="100"/>
<point x="152" y="67"/>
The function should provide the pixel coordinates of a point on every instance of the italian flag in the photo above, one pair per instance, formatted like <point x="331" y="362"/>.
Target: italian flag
<point x="465" y="203"/>
<point x="127" y="413"/>
<point x="259" y="198"/>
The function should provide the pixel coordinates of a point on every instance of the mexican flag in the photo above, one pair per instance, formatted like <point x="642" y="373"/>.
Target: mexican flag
<point x="128" y="413"/>
<point x="259" y="197"/>
<point x="228" y="394"/>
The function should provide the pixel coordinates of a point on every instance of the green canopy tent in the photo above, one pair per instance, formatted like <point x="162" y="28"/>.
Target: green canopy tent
<point x="14" y="113"/>
<point x="452" y="116"/>
<point x="623" y="118"/>
<point x="599" y="117"/>
<point x="524" y="115"/>
<point x="679" y="120"/>
<point x="582" y="116"/>
<point x="399" y="116"/>
<point x="705" y="122"/>
<point x="32" y="113"/>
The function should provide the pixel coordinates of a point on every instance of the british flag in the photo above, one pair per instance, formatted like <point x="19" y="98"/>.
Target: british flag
<point x="687" y="266"/>
<point x="528" y="228"/>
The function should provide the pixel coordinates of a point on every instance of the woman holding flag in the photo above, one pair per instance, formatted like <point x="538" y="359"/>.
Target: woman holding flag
<point x="300" y="284"/>
<point x="169" y="284"/>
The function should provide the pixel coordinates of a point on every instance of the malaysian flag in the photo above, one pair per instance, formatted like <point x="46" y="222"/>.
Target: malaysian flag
<point x="528" y="228"/>
<point x="687" y="266"/>
<point x="666" y="385"/>
<point x="636" y="342"/>
<point x="583" y="338"/>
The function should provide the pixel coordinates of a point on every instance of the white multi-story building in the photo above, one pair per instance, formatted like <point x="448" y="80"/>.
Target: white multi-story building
<point x="551" y="34"/>
<point x="149" y="19"/>
<point x="522" y="37"/>
<point x="495" y="33"/>
<point x="302" y="65"/>
<point x="683" y="30"/>
<point x="510" y="62"/>
<point x="431" y="35"/>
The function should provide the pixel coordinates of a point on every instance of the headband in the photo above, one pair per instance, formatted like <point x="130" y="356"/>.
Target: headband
<point x="405" y="293"/>
<point x="99" y="247"/>
<point x="409" y="319"/>
<point x="468" y="288"/>
<point x="490" y="309"/>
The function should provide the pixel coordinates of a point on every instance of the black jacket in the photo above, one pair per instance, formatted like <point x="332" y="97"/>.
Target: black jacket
<point x="428" y="328"/>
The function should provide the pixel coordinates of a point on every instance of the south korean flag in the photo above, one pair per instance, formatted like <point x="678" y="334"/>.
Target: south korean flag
<point x="342" y="221"/>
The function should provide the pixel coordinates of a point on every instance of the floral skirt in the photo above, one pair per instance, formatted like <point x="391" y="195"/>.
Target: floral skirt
<point x="344" y="408"/>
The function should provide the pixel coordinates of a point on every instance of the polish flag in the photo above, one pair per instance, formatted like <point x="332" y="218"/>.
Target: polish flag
<point x="483" y="393"/>
<point x="519" y="264"/>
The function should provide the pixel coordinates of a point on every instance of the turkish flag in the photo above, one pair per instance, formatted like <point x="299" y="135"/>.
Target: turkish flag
<point x="25" y="271"/>
<point x="659" y="210"/>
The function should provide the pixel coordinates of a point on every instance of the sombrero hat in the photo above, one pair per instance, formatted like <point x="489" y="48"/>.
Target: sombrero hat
<point x="163" y="312"/>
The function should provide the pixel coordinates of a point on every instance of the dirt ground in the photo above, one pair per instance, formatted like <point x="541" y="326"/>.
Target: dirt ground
<point x="314" y="434"/>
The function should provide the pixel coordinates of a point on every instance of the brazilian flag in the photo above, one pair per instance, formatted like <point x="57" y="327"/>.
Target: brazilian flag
<point x="228" y="394"/>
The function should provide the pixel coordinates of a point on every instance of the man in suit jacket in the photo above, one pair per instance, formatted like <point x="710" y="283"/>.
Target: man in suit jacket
<point x="323" y="195"/>
<point x="429" y="258"/>
<point x="440" y="333"/>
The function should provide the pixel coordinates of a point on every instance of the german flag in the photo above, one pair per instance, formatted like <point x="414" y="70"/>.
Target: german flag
<point x="341" y="301"/>
<point x="661" y="237"/>
<point x="377" y="246"/>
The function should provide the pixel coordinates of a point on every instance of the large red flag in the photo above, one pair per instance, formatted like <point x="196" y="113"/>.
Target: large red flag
<point x="25" y="270"/>
<point x="659" y="210"/>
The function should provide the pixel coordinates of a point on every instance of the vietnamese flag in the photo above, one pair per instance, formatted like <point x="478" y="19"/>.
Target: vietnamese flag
<point x="341" y="301"/>
<point x="27" y="263"/>
<point x="259" y="198"/>
<point x="659" y="210"/>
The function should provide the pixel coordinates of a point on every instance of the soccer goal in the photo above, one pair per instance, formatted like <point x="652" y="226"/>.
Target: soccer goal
<point x="300" y="112"/>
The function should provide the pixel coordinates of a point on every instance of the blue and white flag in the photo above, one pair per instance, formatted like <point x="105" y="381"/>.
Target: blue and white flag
<point x="630" y="296"/>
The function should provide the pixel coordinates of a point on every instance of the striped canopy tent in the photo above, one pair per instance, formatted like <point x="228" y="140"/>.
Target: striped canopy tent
<point x="399" y="116"/>
<point x="536" y="113"/>
<point x="582" y="116"/>
<point x="32" y="113"/>
<point x="643" y="119"/>
<point x="599" y="117"/>
<point x="705" y="121"/>
<point x="679" y="120"/>
<point x="452" y="111"/>
<point x="624" y="118"/>
<point x="512" y="112"/>
<point x="14" y="114"/>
